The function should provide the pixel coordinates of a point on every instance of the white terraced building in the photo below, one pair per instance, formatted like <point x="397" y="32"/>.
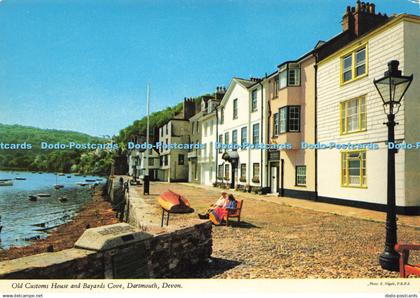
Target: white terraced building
<point x="350" y="110"/>
<point x="242" y="119"/>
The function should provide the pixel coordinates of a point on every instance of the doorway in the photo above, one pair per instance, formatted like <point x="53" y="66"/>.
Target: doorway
<point x="274" y="179"/>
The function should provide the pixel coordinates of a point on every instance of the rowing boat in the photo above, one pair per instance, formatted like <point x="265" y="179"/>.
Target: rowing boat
<point x="174" y="203"/>
<point x="6" y="182"/>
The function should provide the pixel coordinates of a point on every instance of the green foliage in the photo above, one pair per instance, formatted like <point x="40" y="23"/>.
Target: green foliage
<point x="139" y="127"/>
<point x="52" y="160"/>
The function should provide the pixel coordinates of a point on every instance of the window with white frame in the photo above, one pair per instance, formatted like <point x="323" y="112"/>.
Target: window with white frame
<point x="243" y="172"/>
<point x="227" y="173"/>
<point x="293" y="74"/>
<point x="301" y="175"/>
<point x="275" y="83"/>
<point x="234" y="137"/>
<point x="244" y="136"/>
<point x="235" y="108"/>
<point x="220" y="171"/>
<point x="255" y="133"/>
<point x="254" y="101"/>
<point x="256" y="172"/>
<point x="275" y="124"/>
<point x="283" y="77"/>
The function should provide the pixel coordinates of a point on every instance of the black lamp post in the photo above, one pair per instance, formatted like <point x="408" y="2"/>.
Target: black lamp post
<point x="391" y="88"/>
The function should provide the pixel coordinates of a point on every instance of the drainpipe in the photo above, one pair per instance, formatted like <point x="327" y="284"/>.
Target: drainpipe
<point x="261" y="132"/>
<point x="268" y="168"/>
<point x="316" y="126"/>
<point x="217" y="139"/>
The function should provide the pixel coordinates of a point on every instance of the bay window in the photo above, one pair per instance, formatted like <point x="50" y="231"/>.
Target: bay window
<point x="289" y="119"/>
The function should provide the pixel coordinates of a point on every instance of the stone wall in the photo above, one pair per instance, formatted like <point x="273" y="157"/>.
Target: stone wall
<point x="166" y="252"/>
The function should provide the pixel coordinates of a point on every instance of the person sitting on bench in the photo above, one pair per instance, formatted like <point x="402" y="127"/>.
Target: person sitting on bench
<point x="220" y="203"/>
<point x="217" y="215"/>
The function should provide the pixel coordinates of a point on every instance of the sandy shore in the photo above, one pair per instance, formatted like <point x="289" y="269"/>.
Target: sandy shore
<point x="96" y="212"/>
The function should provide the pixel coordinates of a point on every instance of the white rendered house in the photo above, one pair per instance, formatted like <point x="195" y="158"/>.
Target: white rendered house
<point x="242" y="121"/>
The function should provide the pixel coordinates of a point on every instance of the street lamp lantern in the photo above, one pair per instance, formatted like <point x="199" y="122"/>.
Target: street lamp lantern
<point x="391" y="88"/>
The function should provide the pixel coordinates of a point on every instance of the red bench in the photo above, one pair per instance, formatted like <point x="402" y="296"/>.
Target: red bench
<point x="405" y="268"/>
<point x="234" y="212"/>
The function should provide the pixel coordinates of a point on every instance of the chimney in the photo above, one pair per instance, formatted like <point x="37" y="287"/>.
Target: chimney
<point x="220" y="92"/>
<point x="362" y="18"/>
<point x="189" y="108"/>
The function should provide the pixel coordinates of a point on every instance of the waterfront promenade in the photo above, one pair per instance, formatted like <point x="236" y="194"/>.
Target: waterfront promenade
<point x="286" y="238"/>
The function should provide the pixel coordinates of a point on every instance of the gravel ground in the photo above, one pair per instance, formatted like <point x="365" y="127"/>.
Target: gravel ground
<point x="278" y="241"/>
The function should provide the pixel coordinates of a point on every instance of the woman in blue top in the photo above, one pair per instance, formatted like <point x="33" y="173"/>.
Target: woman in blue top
<point x="217" y="214"/>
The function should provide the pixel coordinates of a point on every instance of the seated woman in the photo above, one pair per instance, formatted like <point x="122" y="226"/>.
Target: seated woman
<point x="217" y="214"/>
<point x="220" y="203"/>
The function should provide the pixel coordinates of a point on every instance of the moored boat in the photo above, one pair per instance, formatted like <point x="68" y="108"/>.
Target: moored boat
<point x="33" y="198"/>
<point x="174" y="203"/>
<point x="20" y="178"/>
<point x="90" y="180"/>
<point x="63" y="199"/>
<point x="58" y="186"/>
<point x="82" y="183"/>
<point x="43" y="195"/>
<point x="6" y="182"/>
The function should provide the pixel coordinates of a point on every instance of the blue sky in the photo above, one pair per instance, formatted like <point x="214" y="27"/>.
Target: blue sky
<point x="84" y="64"/>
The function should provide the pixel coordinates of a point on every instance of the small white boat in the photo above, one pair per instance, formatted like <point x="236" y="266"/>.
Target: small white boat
<point x="6" y="182"/>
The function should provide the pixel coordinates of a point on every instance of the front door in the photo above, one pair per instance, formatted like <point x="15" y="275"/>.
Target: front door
<point x="274" y="180"/>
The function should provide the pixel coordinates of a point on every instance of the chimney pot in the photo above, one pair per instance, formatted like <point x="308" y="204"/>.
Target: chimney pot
<point x="372" y="8"/>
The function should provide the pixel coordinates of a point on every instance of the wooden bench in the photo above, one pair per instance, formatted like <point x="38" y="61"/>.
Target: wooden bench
<point x="405" y="268"/>
<point x="234" y="212"/>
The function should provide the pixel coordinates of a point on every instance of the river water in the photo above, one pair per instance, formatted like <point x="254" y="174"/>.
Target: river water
<point x="23" y="219"/>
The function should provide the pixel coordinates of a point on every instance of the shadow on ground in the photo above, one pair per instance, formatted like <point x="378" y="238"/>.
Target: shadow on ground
<point x="214" y="267"/>
<point x="242" y="225"/>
